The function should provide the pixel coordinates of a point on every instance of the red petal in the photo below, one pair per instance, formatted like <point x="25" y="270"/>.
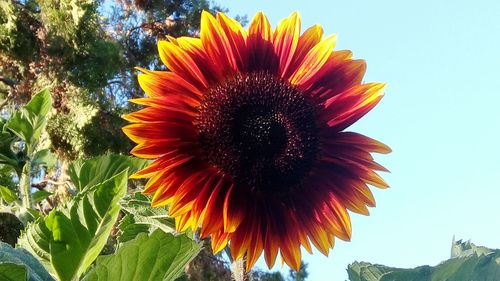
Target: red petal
<point x="261" y="54"/>
<point x="285" y="40"/>
<point x="343" y="110"/>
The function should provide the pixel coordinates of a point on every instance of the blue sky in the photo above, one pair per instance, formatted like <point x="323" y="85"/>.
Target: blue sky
<point x="440" y="116"/>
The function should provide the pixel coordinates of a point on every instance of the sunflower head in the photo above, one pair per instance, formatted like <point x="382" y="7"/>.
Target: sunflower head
<point x="247" y="129"/>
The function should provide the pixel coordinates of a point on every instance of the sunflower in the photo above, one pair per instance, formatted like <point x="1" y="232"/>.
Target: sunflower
<point x="247" y="129"/>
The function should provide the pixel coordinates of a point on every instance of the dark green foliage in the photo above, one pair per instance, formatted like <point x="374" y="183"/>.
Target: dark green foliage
<point x="16" y="37"/>
<point x="301" y="275"/>
<point x="6" y="176"/>
<point x="10" y="228"/>
<point x="258" y="275"/>
<point x="267" y="276"/>
<point x="104" y="133"/>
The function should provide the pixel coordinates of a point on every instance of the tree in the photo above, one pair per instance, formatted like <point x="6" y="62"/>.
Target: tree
<point x="298" y="276"/>
<point x="85" y="52"/>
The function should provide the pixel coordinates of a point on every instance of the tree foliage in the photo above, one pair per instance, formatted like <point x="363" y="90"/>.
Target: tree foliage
<point x="85" y="52"/>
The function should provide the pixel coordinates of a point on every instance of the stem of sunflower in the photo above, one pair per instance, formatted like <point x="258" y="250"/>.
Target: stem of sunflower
<point x="239" y="270"/>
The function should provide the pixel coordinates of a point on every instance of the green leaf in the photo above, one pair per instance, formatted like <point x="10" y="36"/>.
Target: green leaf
<point x="12" y="272"/>
<point x="142" y="217"/>
<point x="95" y="170"/>
<point x="7" y="195"/>
<point x="161" y="256"/>
<point x="41" y="103"/>
<point x="29" y="122"/>
<point x="129" y="229"/>
<point x="44" y="157"/>
<point x="40" y="196"/>
<point x="20" y="257"/>
<point x="69" y="239"/>
<point x="362" y="271"/>
<point x="468" y="262"/>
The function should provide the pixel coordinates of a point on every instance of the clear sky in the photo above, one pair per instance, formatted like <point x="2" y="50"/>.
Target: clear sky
<point x="440" y="115"/>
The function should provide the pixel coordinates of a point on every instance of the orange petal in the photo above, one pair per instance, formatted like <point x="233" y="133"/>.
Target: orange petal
<point x="256" y="244"/>
<point x="271" y="243"/>
<point x="240" y="240"/>
<point x="236" y="36"/>
<point x="155" y="149"/>
<point x="314" y="61"/>
<point x="358" y="140"/>
<point x="340" y="217"/>
<point x="139" y="133"/>
<point x="163" y="83"/>
<point x="285" y="40"/>
<point x="337" y="75"/>
<point x="187" y="192"/>
<point x="343" y="110"/>
<point x="152" y="114"/>
<point x="234" y="210"/>
<point x="179" y="61"/>
<point x="307" y="41"/>
<point x="290" y="251"/>
<point x="160" y="164"/>
<point x="212" y="221"/>
<point x="216" y="43"/>
<point x="261" y="54"/>
<point x="219" y="241"/>
<point x="183" y="222"/>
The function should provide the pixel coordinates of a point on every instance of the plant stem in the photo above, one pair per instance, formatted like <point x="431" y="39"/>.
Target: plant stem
<point x="25" y="185"/>
<point x="239" y="271"/>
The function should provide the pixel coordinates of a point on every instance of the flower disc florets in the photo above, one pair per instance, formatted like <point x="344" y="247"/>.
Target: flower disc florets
<point x="260" y="130"/>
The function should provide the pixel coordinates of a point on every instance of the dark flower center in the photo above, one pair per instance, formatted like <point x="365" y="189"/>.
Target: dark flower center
<point x="261" y="131"/>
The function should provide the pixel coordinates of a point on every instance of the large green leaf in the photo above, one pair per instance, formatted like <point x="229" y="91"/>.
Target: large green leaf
<point x="161" y="256"/>
<point x="90" y="172"/>
<point x="28" y="122"/>
<point x="142" y="217"/>
<point x="69" y="239"/>
<point x="468" y="262"/>
<point x="30" y="266"/>
<point x="12" y="272"/>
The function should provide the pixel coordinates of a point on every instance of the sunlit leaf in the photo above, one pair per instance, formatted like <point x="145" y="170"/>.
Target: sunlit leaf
<point x="40" y="196"/>
<point x="89" y="172"/>
<point x="28" y="122"/>
<point x="160" y="256"/>
<point x="7" y="195"/>
<point x="69" y="239"/>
